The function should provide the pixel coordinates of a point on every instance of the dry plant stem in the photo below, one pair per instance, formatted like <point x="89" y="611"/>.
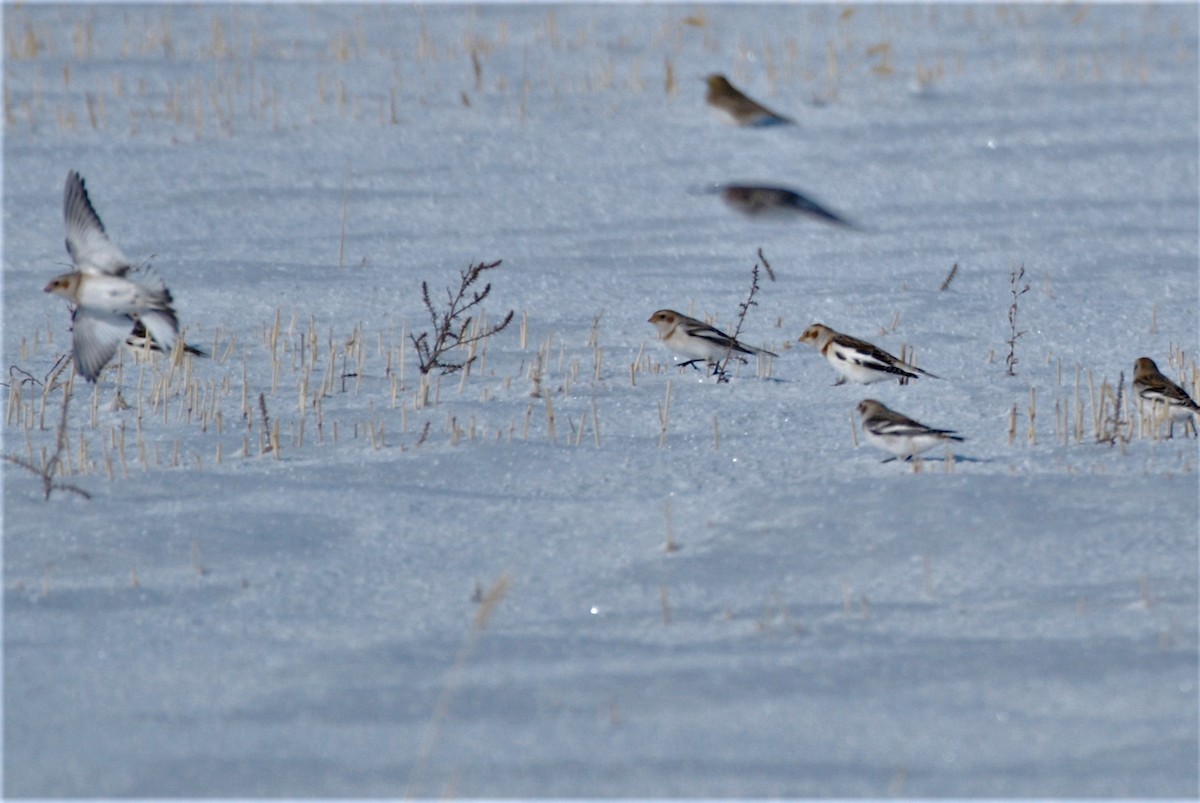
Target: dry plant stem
<point x="669" y="544"/>
<point x="267" y="444"/>
<point x="766" y="265"/>
<point x="450" y="328"/>
<point x="743" y="308"/>
<point x="550" y="429"/>
<point x="949" y="278"/>
<point x="441" y="709"/>
<point x="664" y="416"/>
<point x="345" y="205"/>
<point x="1017" y="290"/>
<point x="50" y="466"/>
<point x="595" y="423"/>
<point x="1031" y="435"/>
<point x="1114" y="424"/>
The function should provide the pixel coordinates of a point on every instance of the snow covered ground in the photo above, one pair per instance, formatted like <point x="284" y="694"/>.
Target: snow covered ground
<point x="315" y="620"/>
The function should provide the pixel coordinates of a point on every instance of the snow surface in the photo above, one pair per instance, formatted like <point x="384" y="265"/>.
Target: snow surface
<point x="1020" y="620"/>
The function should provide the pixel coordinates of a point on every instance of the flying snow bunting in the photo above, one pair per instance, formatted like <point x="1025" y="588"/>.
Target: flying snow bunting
<point x="737" y="109"/>
<point x="1150" y="384"/>
<point x="899" y="434"/>
<point x="113" y="302"/>
<point x="697" y="340"/>
<point x="759" y="201"/>
<point x="857" y="360"/>
<point x="106" y="308"/>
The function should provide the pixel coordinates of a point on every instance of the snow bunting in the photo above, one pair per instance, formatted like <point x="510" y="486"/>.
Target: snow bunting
<point x="106" y="309"/>
<point x="899" y="434"/>
<point x="857" y="360"/>
<point x="697" y="340"/>
<point x="737" y="109"/>
<point x="776" y="202"/>
<point x="1150" y="384"/>
<point x="113" y="301"/>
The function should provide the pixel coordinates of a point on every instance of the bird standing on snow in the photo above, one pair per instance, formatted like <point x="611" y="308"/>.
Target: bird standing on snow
<point x="1150" y="384"/>
<point x="697" y="340"/>
<point x="758" y="201"/>
<point x="899" y="434"/>
<point x="113" y="301"/>
<point x="857" y="360"/>
<point x="737" y="109"/>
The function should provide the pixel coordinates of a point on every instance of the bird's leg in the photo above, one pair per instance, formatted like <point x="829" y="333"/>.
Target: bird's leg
<point x="691" y="363"/>
<point x="720" y="373"/>
<point x="1189" y="427"/>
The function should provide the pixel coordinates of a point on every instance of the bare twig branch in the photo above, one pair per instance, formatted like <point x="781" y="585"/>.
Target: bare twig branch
<point x="50" y="468"/>
<point x="949" y="277"/>
<point x="25" y="376"/>
<point x="766" y="265"/>
<point x="451" y="326"/>
<point x="266" y="424"/>
<point x="1115" y="428"/>
<point x="1015" y="279"/>
<point x="743" y="308"/>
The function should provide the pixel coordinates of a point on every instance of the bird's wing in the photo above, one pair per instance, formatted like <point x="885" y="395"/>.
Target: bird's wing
<point x="90" y="249"/>
<point x="1161" y="388"/>
<point x="860" y="352"/>
<point x="902" y="426"/>
<point x="95" y="338"/>
<point x="716" y="336"/>
<point x="162" y="325"/>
